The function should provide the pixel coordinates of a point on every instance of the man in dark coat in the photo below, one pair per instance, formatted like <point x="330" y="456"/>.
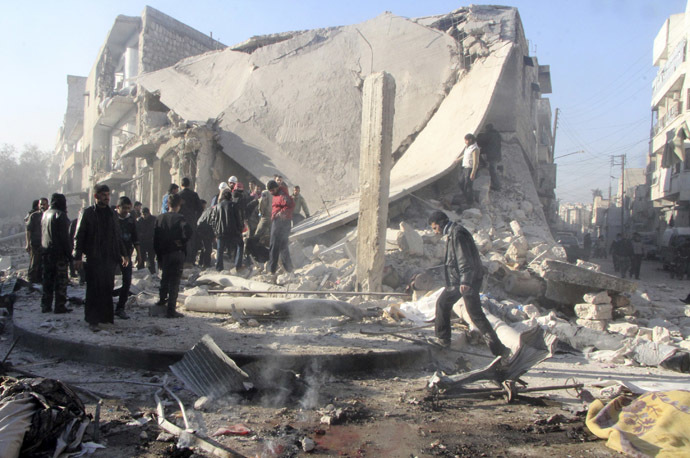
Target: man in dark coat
<point x="191" y="210"/>
<point x="128" y="232"/>
<point x="145" y="226"/>
<point x="33" y="241"/>
<point x="227" y="227"/>
<point x="170" y="237"/>
<point x="490" y="143"/>
<point x="205" y="235"/>
<point x="57" y="254"/>
<point x="464" y="273"/>
<point x="98" y="238"/>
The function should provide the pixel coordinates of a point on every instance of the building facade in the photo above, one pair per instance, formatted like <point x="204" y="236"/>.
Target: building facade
<point x="668" y="165"/>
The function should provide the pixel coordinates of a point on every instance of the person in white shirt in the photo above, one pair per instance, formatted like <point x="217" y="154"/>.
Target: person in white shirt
<point x="470" y="163"/>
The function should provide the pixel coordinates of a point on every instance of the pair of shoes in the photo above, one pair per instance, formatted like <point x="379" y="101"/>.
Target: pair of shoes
<point x="62" y="310"/>
<point x="174" y="315"/>
<point x="443" y="343"/>
<point x="94" y="327"/>
<point x="120" y="313"/>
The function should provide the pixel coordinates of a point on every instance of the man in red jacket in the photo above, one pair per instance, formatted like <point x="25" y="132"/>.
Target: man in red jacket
<point x="281" y="222"/>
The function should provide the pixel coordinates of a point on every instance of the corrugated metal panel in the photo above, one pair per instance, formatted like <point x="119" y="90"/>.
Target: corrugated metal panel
<point x="207" y="371"/>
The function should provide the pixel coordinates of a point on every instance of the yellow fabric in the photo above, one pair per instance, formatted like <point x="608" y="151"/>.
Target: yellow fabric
<point x="655" y="424"/>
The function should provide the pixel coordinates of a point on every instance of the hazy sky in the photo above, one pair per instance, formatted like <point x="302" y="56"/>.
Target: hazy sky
<point x="600" y="53"/>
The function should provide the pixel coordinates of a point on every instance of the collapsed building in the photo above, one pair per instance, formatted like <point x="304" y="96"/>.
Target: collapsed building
<point x="164" y="101"/>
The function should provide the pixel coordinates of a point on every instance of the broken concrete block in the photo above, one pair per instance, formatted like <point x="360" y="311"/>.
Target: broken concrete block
<point x="517" y="250"/>
<point x="568" y="273"/>
<point x="483" y="242"/>
<point x="588" y="265"/>
<point x="202" y="403"/>
<point x="516" y="228"/>
<point x="645" y="333"/>
<point x="598" y="298"/>
<point x="624" y="328"/>
<point x="196" y="291"/>
<point x="531" y="310"/>
<point x="523" y="284"/>
<point x="597" y="325"/>
<point x="409" y="240"/>
<point x="471" y="214"/>
<point x="661" y="335"/>
<point x="594" y="311"/>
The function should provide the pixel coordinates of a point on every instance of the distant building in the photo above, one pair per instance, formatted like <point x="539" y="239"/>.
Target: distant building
<point x="668" y="165"/>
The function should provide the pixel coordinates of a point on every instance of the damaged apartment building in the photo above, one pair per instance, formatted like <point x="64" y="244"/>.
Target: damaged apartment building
<point x="164" y="101"/>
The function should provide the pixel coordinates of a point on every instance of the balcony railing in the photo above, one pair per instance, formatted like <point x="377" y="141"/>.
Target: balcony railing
<point x="673" y="112"/>
<point x="666" y="72"/>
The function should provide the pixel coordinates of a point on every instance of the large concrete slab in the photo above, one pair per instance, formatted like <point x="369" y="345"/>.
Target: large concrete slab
<point x="295" y="106"/>
<point x="558" y="271"/>
<point x="462" y="111"/>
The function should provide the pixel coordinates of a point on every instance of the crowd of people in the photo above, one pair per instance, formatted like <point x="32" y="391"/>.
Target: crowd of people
<point x="250" y="227"/>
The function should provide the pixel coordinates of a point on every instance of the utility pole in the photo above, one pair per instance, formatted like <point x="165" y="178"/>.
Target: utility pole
<point x="555" y="126"/>
<point x="614" y="159"/>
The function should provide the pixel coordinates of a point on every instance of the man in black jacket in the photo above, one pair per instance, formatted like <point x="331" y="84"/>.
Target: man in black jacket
<point x="57" y="254"/>
<point x="191" y="210"/>
<point x="490" y="143"/>
<point x="128" y="231"/>
<point x="227" y="228"/>
<point x="98" y="238"/>
<point x="145" y="225"/>
<point x="464" y="273"/>
<point x="170" y="236"/>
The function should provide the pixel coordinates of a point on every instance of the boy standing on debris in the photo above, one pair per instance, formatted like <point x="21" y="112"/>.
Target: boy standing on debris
<point x="470" y="163"/>
<point x="128" y="231"/>
<point x="170" y="236"/>
<point x="98" y="237"/>
<point x="464" y="273"/>
<point x="57" y="254"/>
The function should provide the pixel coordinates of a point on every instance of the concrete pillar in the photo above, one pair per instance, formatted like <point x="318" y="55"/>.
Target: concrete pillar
<point x="378" y="106"/>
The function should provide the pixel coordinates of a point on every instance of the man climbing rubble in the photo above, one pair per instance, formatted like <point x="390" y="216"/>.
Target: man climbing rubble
<point x="464" y="273"/>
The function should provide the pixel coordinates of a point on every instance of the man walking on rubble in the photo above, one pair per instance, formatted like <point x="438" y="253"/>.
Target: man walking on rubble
<point x="490" y="143"/>
<point x="57" y="254"/>
<point x="469" y="159"/>
<point x="170" y="237"/>
<point x="281" y="223"/>
<point x="173" y="189"/>
<point x="33" y="241"/>
<point x="464" y="274"/>
<point x="638" y="254"/>
<point x="98" y="238"/>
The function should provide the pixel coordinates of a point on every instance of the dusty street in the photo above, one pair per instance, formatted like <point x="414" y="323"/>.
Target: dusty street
<point x="381" y="413"/>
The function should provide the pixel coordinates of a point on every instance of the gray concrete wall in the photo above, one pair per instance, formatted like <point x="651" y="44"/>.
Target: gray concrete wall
<point x="164" y="41"/>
